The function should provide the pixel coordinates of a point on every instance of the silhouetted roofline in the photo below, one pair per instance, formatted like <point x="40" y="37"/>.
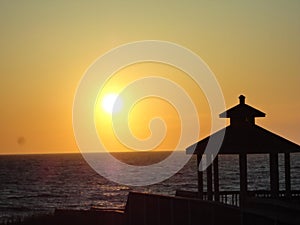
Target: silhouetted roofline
<point x="250" y="139"/>
<point x="242" y="109"/>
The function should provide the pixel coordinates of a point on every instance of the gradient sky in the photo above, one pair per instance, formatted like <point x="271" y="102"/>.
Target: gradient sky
<point x="253" y="47"/>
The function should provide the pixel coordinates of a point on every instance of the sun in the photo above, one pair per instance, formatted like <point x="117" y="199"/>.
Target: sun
<point x="108" y="103"/>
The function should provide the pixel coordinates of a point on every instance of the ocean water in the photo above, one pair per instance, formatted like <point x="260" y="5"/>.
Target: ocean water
<point x="37" y="184"/>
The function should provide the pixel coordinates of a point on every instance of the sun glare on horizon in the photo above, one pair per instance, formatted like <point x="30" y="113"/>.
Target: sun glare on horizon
<point x="108" y="103"/>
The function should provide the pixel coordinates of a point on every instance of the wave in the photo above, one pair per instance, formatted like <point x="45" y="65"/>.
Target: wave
<point x="43" y="195"/>
<point x="15" y="208"/>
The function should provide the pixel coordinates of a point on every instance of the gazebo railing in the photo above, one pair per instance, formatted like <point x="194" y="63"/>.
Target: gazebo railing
<point x="226" y="197"/>
<point x="295" y="194"/>
<point x="233" y="197"/>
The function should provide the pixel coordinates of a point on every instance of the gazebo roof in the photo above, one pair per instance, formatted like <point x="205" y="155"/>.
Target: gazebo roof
<point x="250" y="139"/>
<point x="243" y="136"/>
<point x="242" y="110"/>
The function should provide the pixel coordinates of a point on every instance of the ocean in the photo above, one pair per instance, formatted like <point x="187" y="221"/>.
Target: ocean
<point x="38" y="184"/>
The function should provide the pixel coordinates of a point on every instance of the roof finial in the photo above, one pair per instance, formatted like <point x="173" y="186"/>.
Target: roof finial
<point x="242" y="99"/>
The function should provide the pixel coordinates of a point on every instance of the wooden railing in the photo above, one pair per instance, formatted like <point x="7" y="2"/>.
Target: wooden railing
<point x="233" y="197"/>
<point x="152" y="209"/>
<point x="226" y="197"/>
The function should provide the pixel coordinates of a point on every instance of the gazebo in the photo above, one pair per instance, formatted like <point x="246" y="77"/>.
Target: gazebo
<point x="243" y="137"/>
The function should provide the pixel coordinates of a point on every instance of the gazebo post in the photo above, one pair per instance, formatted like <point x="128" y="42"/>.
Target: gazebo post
<point x="243" y="177"/>
<point x="216" y="178"/>
<point x="209" y="179"/>
<point x="200" y="177"/>
<point x="287" y="170"/>
<point x="274" y="175"/>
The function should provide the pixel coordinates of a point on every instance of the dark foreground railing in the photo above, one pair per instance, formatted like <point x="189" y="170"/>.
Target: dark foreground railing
<point x="150" y="209"/>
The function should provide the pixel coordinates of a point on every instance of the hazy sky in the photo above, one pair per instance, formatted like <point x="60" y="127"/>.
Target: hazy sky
<point x="253" y="47"/>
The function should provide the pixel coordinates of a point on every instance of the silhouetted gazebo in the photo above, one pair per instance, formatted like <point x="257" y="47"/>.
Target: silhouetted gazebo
<point x="244" y="137"/>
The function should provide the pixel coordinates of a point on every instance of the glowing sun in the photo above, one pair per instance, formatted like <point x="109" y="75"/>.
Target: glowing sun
<point x="108" y="103"/>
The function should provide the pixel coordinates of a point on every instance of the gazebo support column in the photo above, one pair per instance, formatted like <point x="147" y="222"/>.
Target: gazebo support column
<point x="274" y="175"/>
<point x="287" y="170"/>
<point x="209" y="179"/>
<point x="216" y="178"/>
<point x="200" y="177"/>
<point x="243" y="177"/>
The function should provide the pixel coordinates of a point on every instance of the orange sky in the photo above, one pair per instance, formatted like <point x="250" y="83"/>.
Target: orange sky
<point x="253" y="49"/>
